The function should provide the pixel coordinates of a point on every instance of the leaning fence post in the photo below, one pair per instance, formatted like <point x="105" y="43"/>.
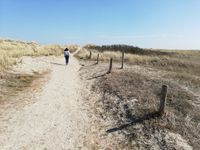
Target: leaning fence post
<point x="97" y="58"/>
<point x="110" y="67"/>
<point x="122" y="59"/>
<point x="90" y="55"/>
<point x="163" y="97"/>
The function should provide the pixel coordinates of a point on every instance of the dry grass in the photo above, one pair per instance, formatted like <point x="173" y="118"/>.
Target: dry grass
<point x="72" y="48"/>
<point x="181" y="64"/>
<point x="131" y="96"/>
<point x="13" y="84"/>
<point x="11" y="50"/>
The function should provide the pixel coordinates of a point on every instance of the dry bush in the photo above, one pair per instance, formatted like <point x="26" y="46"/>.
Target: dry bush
<point x="127" y="49"/>
<point x="82" y="54"/>
<point x="46" y="50"/>
<point x="72" y="48"/>
<point x="5" y="60"/>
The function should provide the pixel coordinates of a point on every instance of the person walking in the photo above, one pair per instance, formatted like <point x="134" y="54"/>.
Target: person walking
<point x="66" y="54"/>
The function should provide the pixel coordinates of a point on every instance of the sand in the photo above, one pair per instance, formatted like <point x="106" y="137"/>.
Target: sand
<point x="56" y="119"/>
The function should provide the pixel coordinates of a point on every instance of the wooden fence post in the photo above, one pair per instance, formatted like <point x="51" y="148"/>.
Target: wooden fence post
<point x="163" y="97"/>
<point x="110" y="67"/>
<point x="122" y="59"/>
<point x="90" y="55"/>
<point x="97" y="58"/>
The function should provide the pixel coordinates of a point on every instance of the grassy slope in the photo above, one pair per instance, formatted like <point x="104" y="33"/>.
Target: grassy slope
<point x="137" y="97"/>
<point x="10" y="50"/>
<point x="132" y="95"/>
<point x="182" y="65"/>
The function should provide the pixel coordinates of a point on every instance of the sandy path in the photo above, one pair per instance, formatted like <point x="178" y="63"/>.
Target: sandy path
<point x="55" y="120"/>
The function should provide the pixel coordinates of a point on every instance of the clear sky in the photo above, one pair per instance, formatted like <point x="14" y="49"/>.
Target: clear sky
<point x="143" y="23"/>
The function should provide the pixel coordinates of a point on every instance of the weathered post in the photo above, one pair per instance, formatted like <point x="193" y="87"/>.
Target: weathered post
<point x="97" y="58"/>
<point x="163" y="97"/>
<point x="110" y="67"/>
<point x="122" y="59"/>
<point x="90" y="56"/>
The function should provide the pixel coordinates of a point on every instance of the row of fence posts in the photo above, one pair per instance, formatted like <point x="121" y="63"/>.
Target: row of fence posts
<point x="122" y="63"/>
<point x="164" y="90"/>
<point x="111" y="60"/>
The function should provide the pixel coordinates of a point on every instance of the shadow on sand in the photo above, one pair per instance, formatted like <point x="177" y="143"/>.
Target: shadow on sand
<point x="58" y="64"/>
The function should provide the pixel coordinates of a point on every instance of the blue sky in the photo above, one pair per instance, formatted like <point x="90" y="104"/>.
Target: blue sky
<point x="143" y="23"/>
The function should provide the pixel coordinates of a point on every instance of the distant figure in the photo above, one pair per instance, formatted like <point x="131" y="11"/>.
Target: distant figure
<point x="66" y="54"/>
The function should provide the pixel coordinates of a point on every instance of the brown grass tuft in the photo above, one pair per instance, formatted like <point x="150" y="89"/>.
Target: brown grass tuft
<point x="13" y="84"/>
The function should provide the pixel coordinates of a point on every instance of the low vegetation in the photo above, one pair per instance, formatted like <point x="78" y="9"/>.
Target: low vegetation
<point x="72" y="48"/>
<point x="11" y="50"/>
<point x="13" y="84"/>
<point x="129" y="98"/>
<point x="180" y="63"/>
<point x="133" y="97"/>
<point x="126" y="49"/>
